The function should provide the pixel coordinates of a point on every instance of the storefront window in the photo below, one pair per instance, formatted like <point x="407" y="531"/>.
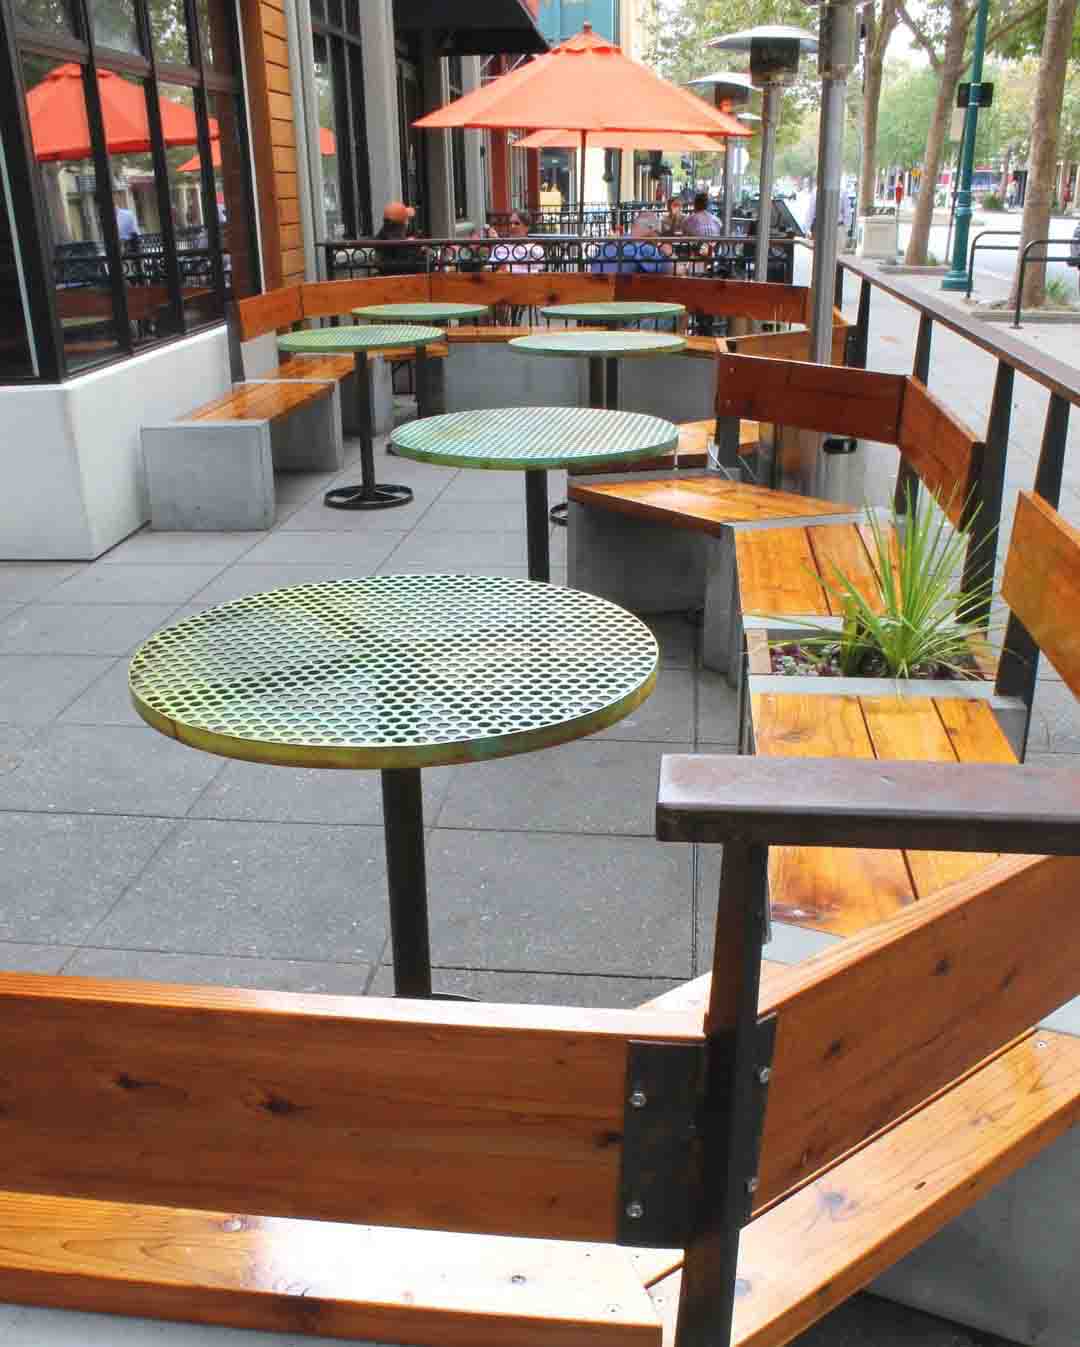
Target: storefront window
<point x="339" y="87"/>
<point x="141" y="181"/>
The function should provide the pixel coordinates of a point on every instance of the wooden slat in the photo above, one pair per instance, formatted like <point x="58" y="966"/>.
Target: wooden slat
<point x="812" y="1252"/>
<point x="840" y="548"/>
<point x="768" y="301"/>
<point x="1042" y="583"/>
<point x="777" y="573"/>
<point x="271" y="312"/>
<point x="464" y="334"/>
<point x="826" y="888"/>
<point x="974" y="731"/>
<point x="694" y="995"/>
<point x="946" y="455"/>
<point x="879" y="1023"/>
<point x="489" y="1119"/>
<point x="438" y="350"/>
<point x="792" y="345"/>
<point x="340" y="1281"/>
<point x="838" y="401"/>
<point x="522" y="288"/>
<point x="331" y="299"/>
<point x="273" y="21"/>
<point x="910" y="729"/>
<point x="260" y="402"/>
<point x="702" y="504"/>
<point x="316" y="367"/>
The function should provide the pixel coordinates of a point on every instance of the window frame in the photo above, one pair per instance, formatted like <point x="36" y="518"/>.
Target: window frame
<point x="34" y="232"/>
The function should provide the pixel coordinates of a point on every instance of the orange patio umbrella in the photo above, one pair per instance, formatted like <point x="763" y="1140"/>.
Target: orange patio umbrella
<point x="57" y="112"/>
<point x="625" y="140"/>
<point x="590" y="87"/>
<point x="327" y="147"/>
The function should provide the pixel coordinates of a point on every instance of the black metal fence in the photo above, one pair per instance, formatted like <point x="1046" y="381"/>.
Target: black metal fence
<point x="730" y="257"/>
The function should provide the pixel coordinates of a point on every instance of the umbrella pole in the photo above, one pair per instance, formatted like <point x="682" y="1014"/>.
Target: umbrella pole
<point x="581" y="186"/>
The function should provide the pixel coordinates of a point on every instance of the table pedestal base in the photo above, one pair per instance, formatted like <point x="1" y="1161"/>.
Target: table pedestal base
<point x="369" y="495"/>
<point x="406" y="877"/>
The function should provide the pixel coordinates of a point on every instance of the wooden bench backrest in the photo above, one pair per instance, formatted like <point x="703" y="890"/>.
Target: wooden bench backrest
<point x="276" y="309"/>
<point x="1041" y="583"/>
<point x="793" y="345"/>
<point x="881" y="1023"/>
<point x="837" y="401"/>
<point x="332" y="299"/>
<point x="535" y="288"/>
<point x="482" y="1118"/>
<point x="767" y="301"/>
<point x="946" y="455"/>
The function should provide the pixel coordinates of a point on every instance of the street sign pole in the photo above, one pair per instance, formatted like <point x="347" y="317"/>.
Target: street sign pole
<point x="956" y="277"/>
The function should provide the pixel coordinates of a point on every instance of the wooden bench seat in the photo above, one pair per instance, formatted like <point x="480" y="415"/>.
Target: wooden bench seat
<point x="261" y="401"/>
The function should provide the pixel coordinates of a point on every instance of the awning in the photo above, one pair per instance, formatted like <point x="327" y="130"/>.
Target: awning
<point x="475" y="27"/>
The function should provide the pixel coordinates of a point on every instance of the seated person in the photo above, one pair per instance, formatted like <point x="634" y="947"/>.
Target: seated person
<point x="403" y="259"/>
<point x="638" y="253"/>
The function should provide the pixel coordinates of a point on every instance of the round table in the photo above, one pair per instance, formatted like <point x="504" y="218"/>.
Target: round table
<point x="534" y="439"/>
<point x="421" y="312"/>
<point x="396" y="673"/>
<point x="613" y="312"/>
<point x="360" y="342"/>
<point x="601" y="348"/>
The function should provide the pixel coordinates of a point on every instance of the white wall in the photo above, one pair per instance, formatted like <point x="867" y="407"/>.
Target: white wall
<point x="70" y="454"/>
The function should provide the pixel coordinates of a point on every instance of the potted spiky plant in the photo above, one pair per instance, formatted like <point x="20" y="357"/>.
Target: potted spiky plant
<point x="916" y="629"/>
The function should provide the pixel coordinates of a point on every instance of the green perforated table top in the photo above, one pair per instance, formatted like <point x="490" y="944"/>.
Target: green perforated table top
<point x="421" y="313"/>
<point x="615" y="310"/>
<point x="359" y="338"/>
<point x="395" y="671"/>
<point x="533" y="437"/>
<point x="621" y="344"/>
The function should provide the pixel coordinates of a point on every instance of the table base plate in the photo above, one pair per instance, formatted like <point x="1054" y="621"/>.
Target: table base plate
<point x="558" y="514"/>
<point x="384" y="496"/>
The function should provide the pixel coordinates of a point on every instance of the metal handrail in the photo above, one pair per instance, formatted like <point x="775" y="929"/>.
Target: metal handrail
<point x="1024" y="259"/>
<point x="989" y="248"/>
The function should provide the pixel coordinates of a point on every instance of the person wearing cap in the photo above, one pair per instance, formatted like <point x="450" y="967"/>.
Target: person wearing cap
<point x="403" y="259"/>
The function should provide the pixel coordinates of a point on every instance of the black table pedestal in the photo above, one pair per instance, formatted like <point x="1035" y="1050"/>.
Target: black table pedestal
<point x="406" y="874"/>
<point x="536" y="524"/>
<point x="369" y="495"/>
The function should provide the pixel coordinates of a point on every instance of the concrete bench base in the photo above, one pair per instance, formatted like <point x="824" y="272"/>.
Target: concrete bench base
<point x="492" y="375"/>
<point x="219" y="475"/>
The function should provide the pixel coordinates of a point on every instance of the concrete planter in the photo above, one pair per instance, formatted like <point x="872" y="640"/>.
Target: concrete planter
<point x="755" y="679"/>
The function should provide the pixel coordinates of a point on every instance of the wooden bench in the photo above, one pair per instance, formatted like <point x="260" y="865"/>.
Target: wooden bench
<point x="214" y="468"/>
<point x="940" y="722"/>
<point x="298" y="1174"/>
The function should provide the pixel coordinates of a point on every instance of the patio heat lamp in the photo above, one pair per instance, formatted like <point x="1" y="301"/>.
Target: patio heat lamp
<point x="730" y="92"/>
<point x="774" y="50"/>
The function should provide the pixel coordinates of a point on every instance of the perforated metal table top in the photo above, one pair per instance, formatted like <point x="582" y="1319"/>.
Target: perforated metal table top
<point x="421" y="312"/>
<point x="360" y="337"/>
<point x="615" y="310"/>
<point x="589" y="342"/>
<point x="395" y="671"/>
<point x="533" y="437"/>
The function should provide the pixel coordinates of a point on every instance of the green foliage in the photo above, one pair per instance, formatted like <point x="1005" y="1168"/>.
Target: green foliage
<point x="925" y="623"/>
<point x="1058" y="293"/>
<point x="991" y="201"/>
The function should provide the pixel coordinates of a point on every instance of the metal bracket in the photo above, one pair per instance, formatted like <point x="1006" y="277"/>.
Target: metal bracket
<point x="664" y="1084"/>
<point x="764" y="1047"/>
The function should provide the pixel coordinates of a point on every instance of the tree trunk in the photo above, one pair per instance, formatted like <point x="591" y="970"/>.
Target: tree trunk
<point x="1042" y="158"/>
<point x="879" y="29"/>
<point x="952" y="63"/>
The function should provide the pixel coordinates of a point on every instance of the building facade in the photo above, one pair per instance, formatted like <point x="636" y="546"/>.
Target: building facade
<point x="161" y="157"/>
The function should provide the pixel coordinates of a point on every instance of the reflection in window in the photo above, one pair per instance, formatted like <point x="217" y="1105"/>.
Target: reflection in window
<point x="455" y="84"/>
<point x="115" y="24"/>
<point x="215" y="33"/>
<point x="57" y="111"/>
<point x="16" y="360"/>
<point x="190" y="213"/>
<point x="333" y="224"/>
<point x="45" y="16"/>
<point x="168" y="24"/>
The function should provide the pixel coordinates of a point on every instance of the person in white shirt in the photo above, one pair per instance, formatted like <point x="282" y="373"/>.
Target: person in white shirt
<point x="701" y="222"/>
<point x="126" y="224"/>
